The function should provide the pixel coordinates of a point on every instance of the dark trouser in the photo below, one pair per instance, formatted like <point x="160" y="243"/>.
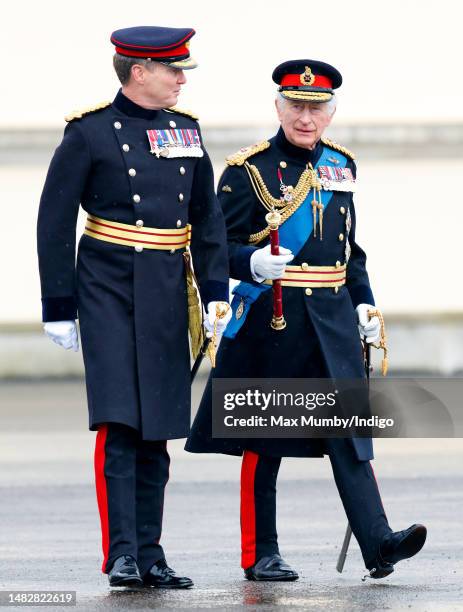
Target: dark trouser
<point x="130" y="475"/>
<point x="356" y="485"/>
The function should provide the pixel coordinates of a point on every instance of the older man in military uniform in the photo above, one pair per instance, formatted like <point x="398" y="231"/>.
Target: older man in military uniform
<point x="326" y="295"/>
<point x="139" y="169"/>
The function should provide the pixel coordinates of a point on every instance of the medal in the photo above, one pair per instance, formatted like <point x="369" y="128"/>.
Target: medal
<point x="347" y="251"/>
<point x="336" y="179"/>
<point x="175" y="143"/>
<point x="286" y="190"/>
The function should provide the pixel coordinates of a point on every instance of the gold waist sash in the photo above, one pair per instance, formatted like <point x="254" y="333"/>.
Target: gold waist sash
<point x="134" y="236"/>
<point x="313" y="276"/>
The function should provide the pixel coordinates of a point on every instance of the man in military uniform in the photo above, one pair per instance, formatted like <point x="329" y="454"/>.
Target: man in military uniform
<point x="326" y="297"/>
<point x="139" y="169"/>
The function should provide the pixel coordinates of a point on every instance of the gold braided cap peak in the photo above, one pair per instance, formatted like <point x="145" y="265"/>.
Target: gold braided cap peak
<point x="238" y="158"/>
<point x="338" y="147"/>
<point x="181" y="111"/>
<point x="78" y="114"/>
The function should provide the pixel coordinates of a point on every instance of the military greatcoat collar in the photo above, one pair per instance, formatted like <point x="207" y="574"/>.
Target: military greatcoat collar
<point x="126" y="106"/>
<point x="303" y="155"/>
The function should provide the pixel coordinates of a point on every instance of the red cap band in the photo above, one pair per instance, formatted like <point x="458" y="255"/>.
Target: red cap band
<point x="182" y="50"/>
<point x="294" y="80"/>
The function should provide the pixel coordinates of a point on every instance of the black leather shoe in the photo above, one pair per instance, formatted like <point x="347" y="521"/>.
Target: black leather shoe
<point x="395" y="547"/>
<point x="271" y="568"/>
<point x="124" y="573"/>
<point x="403" y="544"/>
<point x="162" y="576"/>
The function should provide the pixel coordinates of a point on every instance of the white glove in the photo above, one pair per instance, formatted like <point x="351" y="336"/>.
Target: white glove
<point x="63" y="333"/>
<point x="265" y="265"/>
<point x="211" y="316"/>
<point x="368" y="328"/>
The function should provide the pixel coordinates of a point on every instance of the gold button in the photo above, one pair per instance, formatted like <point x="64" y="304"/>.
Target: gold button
<point x="180" y="197"/>
<point x="336" y="289"/>
<point x="125" y="148"/>
<point x="308" y="291"/>
<point x="132" y="172"/>
<point x="139" y="223"/>
<point x="182" y="170"/>
<point x="139" y="249"/>
<point x="305" y="266"/>
<point x="136" y="198"/>
<point x="342" y="210"/>
<point x="283" y="164"/>
<point x="341" y="237"/>
<point x="179" y="223"/>
<point x="117" y="125"/>
<point x="338" y="264"/>
<point x="172" y="124"/>
<point x="172" y="251"/>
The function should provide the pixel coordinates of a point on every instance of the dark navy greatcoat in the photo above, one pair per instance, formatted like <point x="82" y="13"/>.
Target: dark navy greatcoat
<point x="132" y="306"/>
<point x="321" y="338"/>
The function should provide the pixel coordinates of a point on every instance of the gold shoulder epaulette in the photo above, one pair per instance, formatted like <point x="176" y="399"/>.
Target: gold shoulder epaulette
<point x="238" y="158"/>
<point x="78" y="114"/>
<point x="338" y="147"/>
<point x="181" y="111"/>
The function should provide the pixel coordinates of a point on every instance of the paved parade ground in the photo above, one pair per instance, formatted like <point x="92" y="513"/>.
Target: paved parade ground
<point x="50" y="538"/>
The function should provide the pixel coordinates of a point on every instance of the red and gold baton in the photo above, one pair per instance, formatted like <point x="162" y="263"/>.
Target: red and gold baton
<point x="273" y="219"/>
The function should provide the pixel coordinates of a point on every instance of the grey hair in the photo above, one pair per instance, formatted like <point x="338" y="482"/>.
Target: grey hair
<point x="123" y="66"/>
<point x="330" y="104"/>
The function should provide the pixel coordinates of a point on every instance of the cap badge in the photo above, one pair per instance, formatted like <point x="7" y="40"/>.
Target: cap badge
<point x="307" y="77"/>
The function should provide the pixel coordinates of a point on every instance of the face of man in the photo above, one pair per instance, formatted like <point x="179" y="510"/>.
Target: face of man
<point x="160" y="84"/>
<point x="303" y="122"/>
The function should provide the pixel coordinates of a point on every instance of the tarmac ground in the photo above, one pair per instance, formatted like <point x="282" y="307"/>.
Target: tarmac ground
<point x="50" y="538"/>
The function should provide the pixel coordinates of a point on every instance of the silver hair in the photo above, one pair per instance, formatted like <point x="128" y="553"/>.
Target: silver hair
<point x="123" y="66"/>
<point x="330" y="105"/>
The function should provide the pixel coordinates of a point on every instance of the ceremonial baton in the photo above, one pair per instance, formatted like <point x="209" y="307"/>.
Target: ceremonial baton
<point x="278" y="322"/>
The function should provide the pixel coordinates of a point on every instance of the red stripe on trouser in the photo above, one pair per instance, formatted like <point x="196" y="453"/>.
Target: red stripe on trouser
<point x="248" y="509"/>
<point x="101" y="492"/>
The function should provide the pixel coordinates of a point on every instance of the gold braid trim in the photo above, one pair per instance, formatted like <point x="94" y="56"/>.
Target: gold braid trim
<point x="238" y="158"/>
<point x="221" y="309"/>
<point x="180" y="111"/>
<point x="375" y="312"/>
<point x="338" y="147"/>
<point x="195" y="313"/>
<point x="78" y="114"/>
<point x="314" y="96"/>
<point x="307" y="181"/>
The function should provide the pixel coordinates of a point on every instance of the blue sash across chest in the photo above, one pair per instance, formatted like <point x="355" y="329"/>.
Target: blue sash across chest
<point x="294" y="233"/>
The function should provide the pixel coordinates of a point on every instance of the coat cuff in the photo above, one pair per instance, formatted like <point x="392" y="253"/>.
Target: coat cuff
<point x="214" y="291"/>
<point x="361" y="295"/>
<point x="59" y="309"/>
<point x="240" y="264"/>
